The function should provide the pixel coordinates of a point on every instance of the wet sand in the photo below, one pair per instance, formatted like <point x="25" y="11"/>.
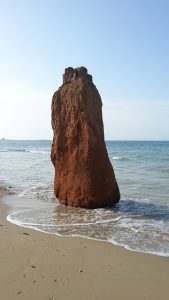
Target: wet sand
<point x="38" y="266"/>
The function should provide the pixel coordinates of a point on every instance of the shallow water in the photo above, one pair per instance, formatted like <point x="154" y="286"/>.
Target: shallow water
<point x="140" y="222"/>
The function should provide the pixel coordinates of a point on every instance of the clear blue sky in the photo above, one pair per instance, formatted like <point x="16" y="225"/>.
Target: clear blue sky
<point x="123" y="43"/>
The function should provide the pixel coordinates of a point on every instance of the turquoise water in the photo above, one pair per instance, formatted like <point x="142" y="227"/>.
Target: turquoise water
<point x="140" y="222"/>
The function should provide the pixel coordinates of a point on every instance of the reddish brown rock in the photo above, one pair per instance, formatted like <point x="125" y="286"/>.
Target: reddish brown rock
<point x="84" y="176"/>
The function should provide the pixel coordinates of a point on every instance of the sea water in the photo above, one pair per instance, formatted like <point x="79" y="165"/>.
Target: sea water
<point x="139" y="222"/>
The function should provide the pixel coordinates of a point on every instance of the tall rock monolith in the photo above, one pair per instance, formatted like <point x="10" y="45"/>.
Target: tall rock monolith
<point x="84" y="176"/>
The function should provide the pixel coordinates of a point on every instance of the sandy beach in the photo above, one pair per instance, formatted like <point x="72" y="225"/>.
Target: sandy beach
<point x="39" y="266"/>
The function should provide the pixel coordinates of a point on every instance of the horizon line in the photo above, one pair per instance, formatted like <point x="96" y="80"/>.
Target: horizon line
<point x="106" y="140"/>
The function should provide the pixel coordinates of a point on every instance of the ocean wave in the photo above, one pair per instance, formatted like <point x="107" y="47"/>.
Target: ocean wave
<point x="16" y="217"/>
<point x="126" y="225"/>
<point x="44" y="152"/>
<point x="13" y="150"/>
<point x="128" y="247"/>
<point x="120" y="158"/>
<point x="145" y="241"/>
<point x="27" y="151"/>
<point x="42" y="192"/>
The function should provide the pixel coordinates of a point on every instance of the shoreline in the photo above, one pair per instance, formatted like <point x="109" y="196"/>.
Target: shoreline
<point x="12" y="202"/>
<point x="125" y="247"/>
<point x="41" y="266"/>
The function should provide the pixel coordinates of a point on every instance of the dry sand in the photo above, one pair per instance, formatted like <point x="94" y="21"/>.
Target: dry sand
<point x="38" y="266"/>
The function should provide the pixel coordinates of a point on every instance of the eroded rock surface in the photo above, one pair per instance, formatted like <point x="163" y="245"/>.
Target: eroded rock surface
<point x="84" y="176"/>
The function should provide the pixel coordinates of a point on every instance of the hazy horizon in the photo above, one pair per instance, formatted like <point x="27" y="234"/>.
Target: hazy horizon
<point x="106" y="140"/>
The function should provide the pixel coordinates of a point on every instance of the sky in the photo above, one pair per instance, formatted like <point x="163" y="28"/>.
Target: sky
<point x="123" y="43"/>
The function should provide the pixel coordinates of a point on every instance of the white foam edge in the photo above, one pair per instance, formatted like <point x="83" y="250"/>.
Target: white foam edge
<point x="9" y="218"/>
<point x="90" y="238"/>
<point x="33" y="188"/>
<point x="158" y="253"/>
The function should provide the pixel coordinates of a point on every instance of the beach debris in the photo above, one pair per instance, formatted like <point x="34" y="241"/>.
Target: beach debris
<point x="19" y="292"/>
<point x="25" y="233"/>
<point x="84" y="175"/>
<point x="33" y="266"/>
<point x="80" y="271"/>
